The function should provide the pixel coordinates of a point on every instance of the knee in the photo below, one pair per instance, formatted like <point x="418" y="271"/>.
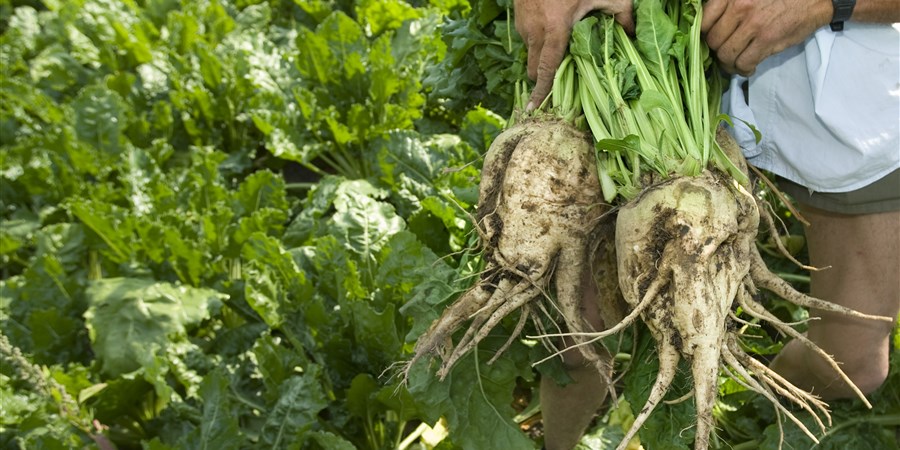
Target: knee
<point x="868" y="373"/>
<point x="868" y="378"/>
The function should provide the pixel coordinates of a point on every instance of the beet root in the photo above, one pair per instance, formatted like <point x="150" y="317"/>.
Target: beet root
<point x="539" y="205"/>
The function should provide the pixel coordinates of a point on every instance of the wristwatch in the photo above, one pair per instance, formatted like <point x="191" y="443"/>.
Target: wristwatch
<point x="843" y="9"/>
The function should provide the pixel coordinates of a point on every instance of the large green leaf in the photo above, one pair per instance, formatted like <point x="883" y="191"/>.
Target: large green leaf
<point x="294" y="414"/>
<point x="274" y="282"/>
<point x="655" y="32"/>
<point x="361" y="222"/>
<point x="128" y="316"/>
<point x="277" y="363"/>
<point x="101" y="115"/>
<point x="375" y="331"/>
<point x="41" y="309"/>
<point x="262" y="189"/>
<point x="475" y="398"/>
<point x="106" y="221"/>
<point x="220" y="428"/>
<point x="314" y="55"/>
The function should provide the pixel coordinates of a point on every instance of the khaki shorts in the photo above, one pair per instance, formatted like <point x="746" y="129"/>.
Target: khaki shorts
<point x="880" y="196"/>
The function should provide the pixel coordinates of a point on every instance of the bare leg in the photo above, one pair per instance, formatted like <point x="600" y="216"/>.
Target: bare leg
<point x="568" y="410"/>
<point x="864" y="252"/>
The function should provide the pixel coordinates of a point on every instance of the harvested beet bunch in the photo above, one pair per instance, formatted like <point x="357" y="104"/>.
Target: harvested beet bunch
<point x="686" y="222"/>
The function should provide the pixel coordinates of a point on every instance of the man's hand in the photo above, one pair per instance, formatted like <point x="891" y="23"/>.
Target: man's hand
<point x="546" y="25"/>
<point x="744" y="32"/>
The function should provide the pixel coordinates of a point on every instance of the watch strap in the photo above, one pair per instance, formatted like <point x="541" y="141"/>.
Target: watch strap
<point x="843" y="9"/>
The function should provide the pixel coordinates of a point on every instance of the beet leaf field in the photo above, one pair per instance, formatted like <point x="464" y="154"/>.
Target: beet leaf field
<point x="224" y="223"/>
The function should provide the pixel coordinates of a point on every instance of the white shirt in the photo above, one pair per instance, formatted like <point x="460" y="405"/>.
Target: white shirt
<point x="828" y="109"/>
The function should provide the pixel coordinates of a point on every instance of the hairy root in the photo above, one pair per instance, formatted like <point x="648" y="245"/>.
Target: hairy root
<point x="767" y="280"/>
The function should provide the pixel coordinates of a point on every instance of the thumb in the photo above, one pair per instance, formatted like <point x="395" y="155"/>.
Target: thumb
<point x="626" y="19"/>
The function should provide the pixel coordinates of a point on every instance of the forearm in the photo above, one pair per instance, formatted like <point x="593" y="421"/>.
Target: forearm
<point x="876" y="11"/>
<point x="742" y="33"/>
<point x="821" y="12"/>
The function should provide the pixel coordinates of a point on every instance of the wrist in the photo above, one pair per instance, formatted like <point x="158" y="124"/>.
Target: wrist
<point x="821" y="12"/>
